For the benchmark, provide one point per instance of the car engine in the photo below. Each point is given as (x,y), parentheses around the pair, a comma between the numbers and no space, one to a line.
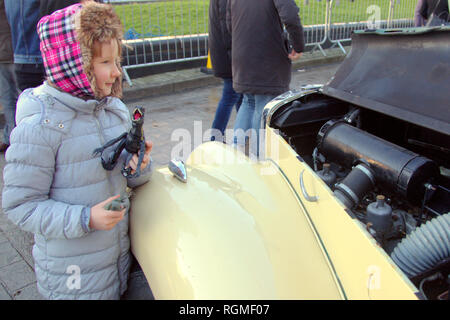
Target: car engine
(392,175)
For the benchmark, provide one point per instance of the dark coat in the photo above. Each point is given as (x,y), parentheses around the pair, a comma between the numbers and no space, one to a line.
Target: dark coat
(6,50)
(259,49)
(47,7)
(219,39)
(438,7)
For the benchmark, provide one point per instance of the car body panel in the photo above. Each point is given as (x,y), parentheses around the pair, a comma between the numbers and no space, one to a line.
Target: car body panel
(405,75)
(219,236)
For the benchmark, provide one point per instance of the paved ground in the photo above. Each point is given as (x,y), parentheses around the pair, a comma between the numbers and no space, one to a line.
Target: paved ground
(167,119)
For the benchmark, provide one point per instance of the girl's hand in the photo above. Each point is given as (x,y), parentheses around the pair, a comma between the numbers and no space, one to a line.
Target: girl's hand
(145,161)
(102,219)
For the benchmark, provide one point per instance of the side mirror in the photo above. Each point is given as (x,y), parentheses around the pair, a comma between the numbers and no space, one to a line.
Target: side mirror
(178,169)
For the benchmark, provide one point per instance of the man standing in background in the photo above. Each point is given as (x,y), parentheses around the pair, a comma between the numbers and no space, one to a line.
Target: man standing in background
(23,16)
(220,52)
(419,21)
(8,88)
(261,57)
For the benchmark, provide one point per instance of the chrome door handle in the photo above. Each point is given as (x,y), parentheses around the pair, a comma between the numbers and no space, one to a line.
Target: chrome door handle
(305,194)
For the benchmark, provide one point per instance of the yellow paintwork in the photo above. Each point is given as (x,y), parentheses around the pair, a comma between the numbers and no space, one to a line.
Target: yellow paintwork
(229,233)
(240,229)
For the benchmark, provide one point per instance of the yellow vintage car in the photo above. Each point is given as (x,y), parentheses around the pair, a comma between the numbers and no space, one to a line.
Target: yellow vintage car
(349,200)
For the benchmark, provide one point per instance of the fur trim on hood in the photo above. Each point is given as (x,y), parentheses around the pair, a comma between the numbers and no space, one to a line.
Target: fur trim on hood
(67,46)
(99,22)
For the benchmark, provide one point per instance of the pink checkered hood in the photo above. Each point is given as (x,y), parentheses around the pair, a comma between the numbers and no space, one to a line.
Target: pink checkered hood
(67,37)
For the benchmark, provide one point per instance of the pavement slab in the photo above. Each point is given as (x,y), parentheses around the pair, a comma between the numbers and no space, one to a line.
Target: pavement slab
(29,292)
(4,294)
(16,276)
(8,254)
(2,238)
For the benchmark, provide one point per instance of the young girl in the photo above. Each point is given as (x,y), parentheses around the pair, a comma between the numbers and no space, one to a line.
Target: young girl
(53,185)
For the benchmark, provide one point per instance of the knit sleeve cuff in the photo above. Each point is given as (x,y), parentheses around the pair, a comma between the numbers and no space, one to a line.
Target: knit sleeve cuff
(85,218)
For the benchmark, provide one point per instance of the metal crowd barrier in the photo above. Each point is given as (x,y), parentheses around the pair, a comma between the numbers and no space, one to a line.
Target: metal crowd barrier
(168,31)
(313,17)
(163,31)
(403,13)
(347,16)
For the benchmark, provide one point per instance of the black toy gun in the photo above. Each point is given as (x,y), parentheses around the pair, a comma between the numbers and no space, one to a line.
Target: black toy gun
(132,141)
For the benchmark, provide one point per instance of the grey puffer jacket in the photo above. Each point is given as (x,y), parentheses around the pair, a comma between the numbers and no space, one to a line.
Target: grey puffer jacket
(51,180)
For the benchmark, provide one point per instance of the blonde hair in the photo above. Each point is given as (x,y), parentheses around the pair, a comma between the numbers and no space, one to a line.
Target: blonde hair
(98,23)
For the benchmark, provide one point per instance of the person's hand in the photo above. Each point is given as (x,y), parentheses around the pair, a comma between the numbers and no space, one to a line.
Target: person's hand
(294,55)
(102,219)
(145,161)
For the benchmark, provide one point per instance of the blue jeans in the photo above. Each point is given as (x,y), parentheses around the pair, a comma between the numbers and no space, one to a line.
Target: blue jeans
(229,99)
(23,16)
(249,117)
(8,98)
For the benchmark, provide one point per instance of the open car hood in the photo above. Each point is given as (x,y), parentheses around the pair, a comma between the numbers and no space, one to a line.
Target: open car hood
(408,78)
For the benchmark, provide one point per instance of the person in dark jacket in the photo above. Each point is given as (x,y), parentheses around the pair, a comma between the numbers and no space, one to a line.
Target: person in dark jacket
(261,57)
(47,7)
(419,21)
(435,11)
(220,54)
(25,14)
(8,87)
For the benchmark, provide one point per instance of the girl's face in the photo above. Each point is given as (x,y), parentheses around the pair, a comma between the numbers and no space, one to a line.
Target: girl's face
(105,63)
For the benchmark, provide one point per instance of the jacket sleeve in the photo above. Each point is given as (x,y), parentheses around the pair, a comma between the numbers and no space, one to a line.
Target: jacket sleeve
(28,176)
(226,35)
(288,13)
(228,17)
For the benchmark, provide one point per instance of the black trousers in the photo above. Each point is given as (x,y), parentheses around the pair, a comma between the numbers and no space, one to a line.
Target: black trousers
(29,75)
(138,287)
